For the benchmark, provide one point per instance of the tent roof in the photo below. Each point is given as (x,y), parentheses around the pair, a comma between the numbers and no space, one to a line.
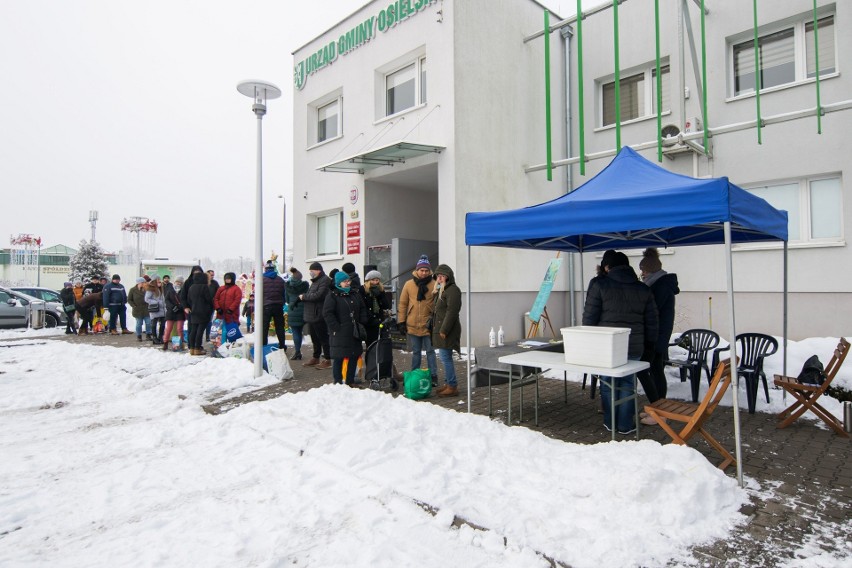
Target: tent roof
(632,203)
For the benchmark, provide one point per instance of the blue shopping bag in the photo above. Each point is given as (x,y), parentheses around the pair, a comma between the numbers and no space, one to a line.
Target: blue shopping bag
(232,331)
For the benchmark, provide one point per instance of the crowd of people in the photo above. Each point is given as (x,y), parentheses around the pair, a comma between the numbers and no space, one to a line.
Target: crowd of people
(344,316)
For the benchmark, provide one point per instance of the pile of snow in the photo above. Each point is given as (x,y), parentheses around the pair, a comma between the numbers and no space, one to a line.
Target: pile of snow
(109,459)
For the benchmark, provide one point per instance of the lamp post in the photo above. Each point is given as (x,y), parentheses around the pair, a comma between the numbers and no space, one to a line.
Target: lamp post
(283,233)
(259,91)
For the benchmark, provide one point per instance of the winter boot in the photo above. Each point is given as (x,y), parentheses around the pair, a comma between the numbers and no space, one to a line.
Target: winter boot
(166,346)
(324,364)
(138,338)
(312,363)
(125,331)
(113,332)
(449,391)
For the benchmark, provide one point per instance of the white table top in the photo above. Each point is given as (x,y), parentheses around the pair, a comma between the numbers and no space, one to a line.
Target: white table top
(556,361)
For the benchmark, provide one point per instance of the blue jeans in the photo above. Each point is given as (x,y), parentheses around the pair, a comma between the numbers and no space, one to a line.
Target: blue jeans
(418,345)
(446,356)
(296,331)
(625,412)
(147,321)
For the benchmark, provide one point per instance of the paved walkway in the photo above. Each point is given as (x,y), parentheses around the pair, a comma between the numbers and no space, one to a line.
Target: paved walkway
(799,478)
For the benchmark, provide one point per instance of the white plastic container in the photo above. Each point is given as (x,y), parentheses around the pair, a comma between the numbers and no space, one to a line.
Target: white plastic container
(492,338)
(596,346)
(501,338)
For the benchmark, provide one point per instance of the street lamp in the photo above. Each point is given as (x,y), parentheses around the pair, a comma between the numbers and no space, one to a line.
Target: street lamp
(283,233)
(259,91)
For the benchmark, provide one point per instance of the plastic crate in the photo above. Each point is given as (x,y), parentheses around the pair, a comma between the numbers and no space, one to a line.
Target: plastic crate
(596,346)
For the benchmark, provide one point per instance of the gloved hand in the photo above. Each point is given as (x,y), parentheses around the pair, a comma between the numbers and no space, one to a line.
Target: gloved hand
(403,329)
(219,314)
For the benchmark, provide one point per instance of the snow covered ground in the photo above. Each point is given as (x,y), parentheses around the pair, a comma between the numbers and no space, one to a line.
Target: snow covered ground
(109,460)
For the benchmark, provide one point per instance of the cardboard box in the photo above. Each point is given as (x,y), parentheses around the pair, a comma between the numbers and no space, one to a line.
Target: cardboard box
(596,346)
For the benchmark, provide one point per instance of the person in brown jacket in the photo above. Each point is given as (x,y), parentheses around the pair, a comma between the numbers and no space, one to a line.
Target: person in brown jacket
(416,305)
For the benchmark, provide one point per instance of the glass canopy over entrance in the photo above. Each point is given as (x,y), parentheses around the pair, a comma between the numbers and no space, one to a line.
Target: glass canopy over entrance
(396,153)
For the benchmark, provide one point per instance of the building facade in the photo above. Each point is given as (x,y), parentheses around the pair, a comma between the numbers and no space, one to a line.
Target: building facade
(410,114)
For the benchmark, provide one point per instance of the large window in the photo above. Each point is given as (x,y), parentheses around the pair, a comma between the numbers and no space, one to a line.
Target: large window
(638,94)
(406,87)
(328,121)
(814,207)
(330,234)
(787,55)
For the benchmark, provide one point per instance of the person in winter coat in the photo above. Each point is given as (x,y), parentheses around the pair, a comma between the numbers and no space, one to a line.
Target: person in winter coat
(664,287)
(446,326)
(248,312)
(115,299)
(175,314)
(214,287)
(295,287)
(139,309)
(156,301)
(68,306)
(78,293)
(341,310)
(227,301)
(377,302)
(200,307)
(86,308)
(621,300)
(274,298)
(314,300)
(416,304)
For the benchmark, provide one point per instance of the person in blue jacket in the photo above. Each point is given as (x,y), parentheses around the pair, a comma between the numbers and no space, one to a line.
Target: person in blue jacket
(115,300)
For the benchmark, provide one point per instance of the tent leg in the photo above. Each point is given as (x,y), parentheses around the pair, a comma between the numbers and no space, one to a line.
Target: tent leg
(469,390)
(784,370)
(735,383)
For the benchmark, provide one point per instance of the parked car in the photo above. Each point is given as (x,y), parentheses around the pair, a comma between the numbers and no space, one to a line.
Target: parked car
(14,309)
(46,294)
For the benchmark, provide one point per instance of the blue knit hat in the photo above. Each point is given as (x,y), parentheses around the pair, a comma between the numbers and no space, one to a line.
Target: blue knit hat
(340,277)
(423,263)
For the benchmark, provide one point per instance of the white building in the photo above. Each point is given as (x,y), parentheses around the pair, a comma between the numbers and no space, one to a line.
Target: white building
(387,163)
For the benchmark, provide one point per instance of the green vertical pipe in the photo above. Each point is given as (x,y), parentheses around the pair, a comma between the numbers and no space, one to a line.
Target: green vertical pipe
(580,111)
(704,77)
(757,71)
(547,94)
(816,63)
(617,77)
(659,84)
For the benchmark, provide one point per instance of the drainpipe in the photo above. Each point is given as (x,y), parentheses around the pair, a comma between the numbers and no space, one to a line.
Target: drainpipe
(567,33)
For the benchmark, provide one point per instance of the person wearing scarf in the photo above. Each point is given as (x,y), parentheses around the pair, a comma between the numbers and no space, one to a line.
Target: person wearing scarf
(341,311)
(416,305)
(377,302)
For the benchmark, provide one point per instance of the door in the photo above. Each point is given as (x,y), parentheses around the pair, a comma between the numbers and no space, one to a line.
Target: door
(13,313)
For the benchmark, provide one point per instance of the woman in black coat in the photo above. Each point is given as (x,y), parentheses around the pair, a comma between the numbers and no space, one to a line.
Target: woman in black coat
(341,310)
(174,312)
(199,306)
(376,302)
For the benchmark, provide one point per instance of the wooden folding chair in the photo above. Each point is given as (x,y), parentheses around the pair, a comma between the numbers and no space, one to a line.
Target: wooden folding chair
(807,395)
(694,415)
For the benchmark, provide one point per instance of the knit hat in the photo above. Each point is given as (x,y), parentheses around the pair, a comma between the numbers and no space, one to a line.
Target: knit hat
(348,268)
(154,277)
(295,272)
(67,285)
(146,278)
(340,277)
(423,263)
(619,259)
(116,277)
(650,262)
(373,274)
(180,280)
(139,280)
(78,283)
(315,266)
(269,265)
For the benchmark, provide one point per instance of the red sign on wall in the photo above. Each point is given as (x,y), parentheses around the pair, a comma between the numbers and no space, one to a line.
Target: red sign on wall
(353,229)
(353,245)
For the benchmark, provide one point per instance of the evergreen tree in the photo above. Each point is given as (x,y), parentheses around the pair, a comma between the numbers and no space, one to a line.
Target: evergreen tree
(89,261)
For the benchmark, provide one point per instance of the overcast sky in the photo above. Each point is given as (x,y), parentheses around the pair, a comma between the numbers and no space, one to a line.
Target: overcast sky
(131,109)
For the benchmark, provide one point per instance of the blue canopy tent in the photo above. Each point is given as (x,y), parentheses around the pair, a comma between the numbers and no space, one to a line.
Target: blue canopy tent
(634,203)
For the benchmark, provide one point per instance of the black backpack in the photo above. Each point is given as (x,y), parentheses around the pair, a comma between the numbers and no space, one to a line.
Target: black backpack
(812,372)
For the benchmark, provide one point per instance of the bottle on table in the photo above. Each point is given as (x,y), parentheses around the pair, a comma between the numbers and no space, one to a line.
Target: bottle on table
(500,336)
(492,338)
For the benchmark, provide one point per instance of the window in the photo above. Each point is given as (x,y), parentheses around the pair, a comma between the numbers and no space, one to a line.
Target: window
(787,55)
(328,121)
(330,234)
(813,205)
(638,93)
(406,87)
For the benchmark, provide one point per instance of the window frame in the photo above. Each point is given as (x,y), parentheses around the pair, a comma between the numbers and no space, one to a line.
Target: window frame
(313,111)
(804,204)
(800,51)
(649,94)
(314,234)
(338,122)
(420,85)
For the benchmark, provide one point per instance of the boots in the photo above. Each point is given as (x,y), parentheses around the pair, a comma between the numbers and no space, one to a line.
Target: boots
(296,356)
(166,345)
(138,338)
(312,363)
(448,391)
(324,364)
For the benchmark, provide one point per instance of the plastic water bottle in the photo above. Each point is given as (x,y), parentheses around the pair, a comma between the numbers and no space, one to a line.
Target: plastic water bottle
(492,338)
(500,337)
